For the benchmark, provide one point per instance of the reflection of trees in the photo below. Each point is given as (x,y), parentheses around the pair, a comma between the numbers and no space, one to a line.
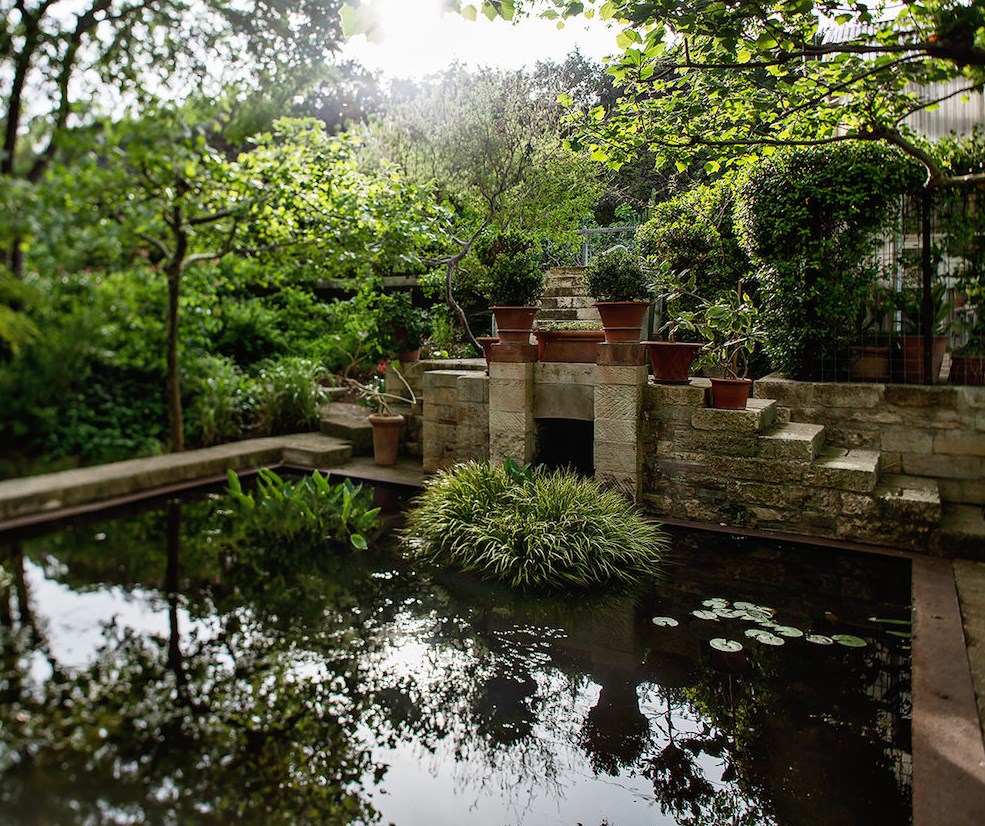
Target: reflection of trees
(237,721)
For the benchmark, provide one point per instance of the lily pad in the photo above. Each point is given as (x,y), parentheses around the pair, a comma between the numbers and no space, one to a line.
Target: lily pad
(751,606)
(765,637)
(787,631)
(665,622)
(757,616)
(728,613)
(849,641)
(705,615)
(819,639)
(721,644)
(715,602)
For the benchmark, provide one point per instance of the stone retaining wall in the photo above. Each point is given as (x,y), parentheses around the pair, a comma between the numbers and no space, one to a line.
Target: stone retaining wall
(931,432)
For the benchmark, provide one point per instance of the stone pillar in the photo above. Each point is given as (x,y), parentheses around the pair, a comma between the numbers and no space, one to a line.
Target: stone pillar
(618,402)
(512,433)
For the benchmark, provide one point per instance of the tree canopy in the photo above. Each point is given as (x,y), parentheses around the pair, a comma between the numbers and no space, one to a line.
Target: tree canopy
(720,80)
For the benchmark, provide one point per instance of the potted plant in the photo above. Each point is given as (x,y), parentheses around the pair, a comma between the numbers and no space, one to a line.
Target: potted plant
(968,361)
(730,324)
(573,342)
(512,282)
(615,279)
(408,325)
(909,366)
(386,424)
(671,359)
(869,359)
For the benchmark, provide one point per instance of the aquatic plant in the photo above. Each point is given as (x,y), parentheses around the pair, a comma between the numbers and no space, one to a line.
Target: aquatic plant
(297,516)
(531,527)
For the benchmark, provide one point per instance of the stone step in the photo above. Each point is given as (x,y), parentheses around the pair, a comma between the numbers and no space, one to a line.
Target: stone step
(315,450)
(793,440)
(567,291)
(758,417)
(568,314)
(845,469)
(962,532)
(564,303)
(913,499)
(349,422)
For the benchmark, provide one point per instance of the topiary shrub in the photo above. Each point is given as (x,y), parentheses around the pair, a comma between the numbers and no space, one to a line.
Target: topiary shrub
(512,275)
(533,529)
(616,275)
(810,219)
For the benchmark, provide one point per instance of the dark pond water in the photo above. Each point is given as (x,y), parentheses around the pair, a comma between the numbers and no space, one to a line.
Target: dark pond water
(145,680)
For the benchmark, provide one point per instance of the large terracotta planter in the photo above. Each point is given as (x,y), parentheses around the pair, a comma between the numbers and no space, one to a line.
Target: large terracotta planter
(730,394)
(386,437)
(672,360)
(569,346)
(868,363)
(514,324)
(909,368)
(404,352)
(622,320)
(968,370)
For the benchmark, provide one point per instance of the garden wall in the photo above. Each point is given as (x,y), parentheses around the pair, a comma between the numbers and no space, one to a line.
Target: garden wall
(887,465)
(922,431)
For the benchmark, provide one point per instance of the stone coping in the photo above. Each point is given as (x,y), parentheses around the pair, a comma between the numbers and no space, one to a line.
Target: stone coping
(53,492)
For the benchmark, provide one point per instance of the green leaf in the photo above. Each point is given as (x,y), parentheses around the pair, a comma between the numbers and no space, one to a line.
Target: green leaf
(358,541)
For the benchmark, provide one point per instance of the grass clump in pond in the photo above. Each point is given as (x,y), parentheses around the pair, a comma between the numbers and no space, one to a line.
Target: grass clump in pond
(531,528)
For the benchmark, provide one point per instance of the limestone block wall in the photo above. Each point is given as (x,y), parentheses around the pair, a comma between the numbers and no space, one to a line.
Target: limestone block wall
(931,432)
(750,468)
(455,425)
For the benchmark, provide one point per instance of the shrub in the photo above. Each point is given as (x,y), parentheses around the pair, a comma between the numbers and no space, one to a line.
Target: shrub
(539,529)
(694,232)
(250,332)
(616,275)
(215,392)
(810,219)
(512,277)
(284,396)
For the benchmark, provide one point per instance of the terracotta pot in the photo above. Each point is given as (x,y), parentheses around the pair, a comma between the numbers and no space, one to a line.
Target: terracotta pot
(569,346)
(968,370)
(909,368)
(622,320)
(405,356)
(730,394)
(672,360)
(485,342)
(386,437)
(513,324)
(868,363)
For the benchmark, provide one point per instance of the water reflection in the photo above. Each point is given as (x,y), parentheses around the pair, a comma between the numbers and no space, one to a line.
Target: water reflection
(355,689)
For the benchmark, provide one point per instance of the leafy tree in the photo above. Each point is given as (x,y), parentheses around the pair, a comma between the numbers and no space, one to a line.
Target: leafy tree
(182,202)
(490,145)
(728,79)
(56,58)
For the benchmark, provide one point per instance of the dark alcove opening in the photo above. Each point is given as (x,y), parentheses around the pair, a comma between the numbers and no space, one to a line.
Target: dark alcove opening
(566,443)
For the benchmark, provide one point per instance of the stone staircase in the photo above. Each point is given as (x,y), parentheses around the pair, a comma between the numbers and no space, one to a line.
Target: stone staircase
(564,298)
(779,475)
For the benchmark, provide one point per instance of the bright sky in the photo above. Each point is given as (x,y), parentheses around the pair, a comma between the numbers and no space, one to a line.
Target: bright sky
(415,38)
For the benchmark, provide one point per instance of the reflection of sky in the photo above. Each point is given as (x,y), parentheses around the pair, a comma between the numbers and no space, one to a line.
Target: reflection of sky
(74,622)
(545,779)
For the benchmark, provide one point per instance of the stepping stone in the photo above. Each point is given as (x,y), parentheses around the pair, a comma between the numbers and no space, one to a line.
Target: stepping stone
(793,440)
(850,470)
(351,423)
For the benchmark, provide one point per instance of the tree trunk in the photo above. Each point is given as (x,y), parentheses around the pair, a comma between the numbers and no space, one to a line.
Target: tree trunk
(174,269)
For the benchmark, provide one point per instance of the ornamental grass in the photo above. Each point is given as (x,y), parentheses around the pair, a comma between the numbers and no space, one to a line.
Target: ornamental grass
(543,529)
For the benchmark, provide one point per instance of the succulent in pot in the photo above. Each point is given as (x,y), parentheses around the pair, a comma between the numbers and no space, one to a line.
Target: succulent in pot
(617,282)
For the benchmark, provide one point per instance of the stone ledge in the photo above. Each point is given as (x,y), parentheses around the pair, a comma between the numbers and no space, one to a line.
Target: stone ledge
(793,440)
(852,470)
(53,491)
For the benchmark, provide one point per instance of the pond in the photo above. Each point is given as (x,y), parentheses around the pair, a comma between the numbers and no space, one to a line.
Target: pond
(147,679)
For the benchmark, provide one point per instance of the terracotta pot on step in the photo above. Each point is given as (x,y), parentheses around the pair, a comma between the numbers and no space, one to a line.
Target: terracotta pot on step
(730,394)
(386,437)
(485,342)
